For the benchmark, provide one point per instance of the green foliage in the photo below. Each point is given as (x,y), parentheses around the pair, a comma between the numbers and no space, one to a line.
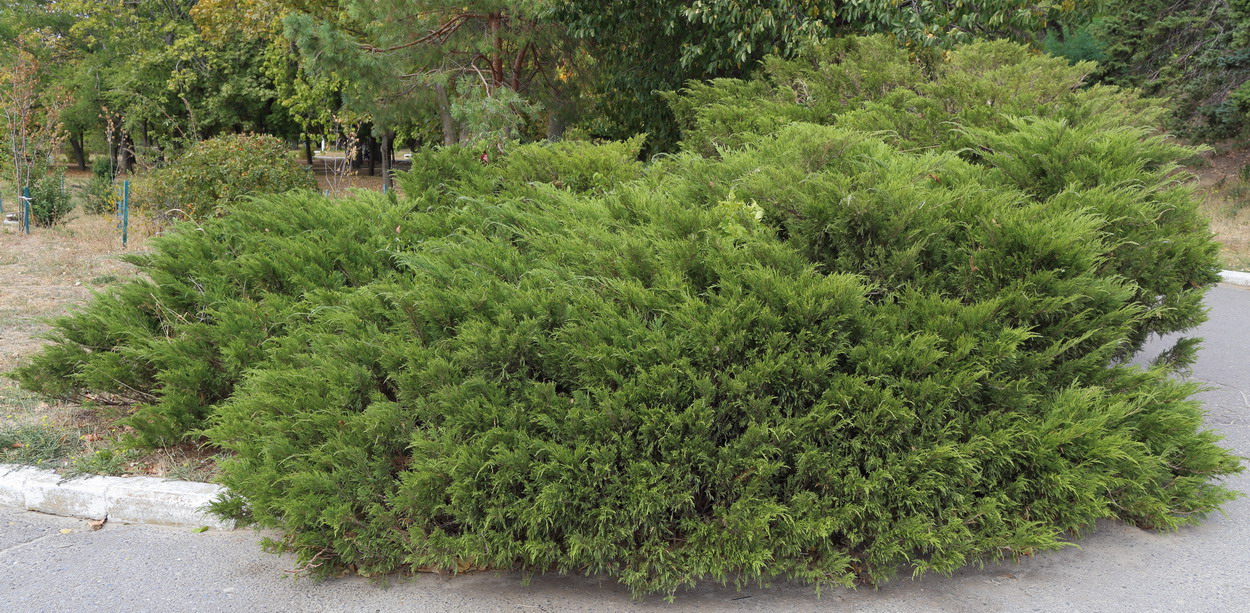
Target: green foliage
(1196,53)
(1083,149)
(646,47)
(50,202)
(102,168)
(819,352)
(1077,44)
(219,172)
(484,68)
(490,116)
(871,84)
(144,71)
(100,195)
(573,165)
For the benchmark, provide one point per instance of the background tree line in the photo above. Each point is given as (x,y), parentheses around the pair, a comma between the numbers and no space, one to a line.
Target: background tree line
(142,79)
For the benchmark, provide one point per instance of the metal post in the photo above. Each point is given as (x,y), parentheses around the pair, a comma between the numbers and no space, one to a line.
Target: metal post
(125,210)
(26,208)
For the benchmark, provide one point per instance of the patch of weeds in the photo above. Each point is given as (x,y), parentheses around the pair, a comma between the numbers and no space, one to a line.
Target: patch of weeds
(36,444)
(185,461)
(29,432)
(1197,160)
(1237,197)
(16,404)
(192,470)
(106,462)
(105,280)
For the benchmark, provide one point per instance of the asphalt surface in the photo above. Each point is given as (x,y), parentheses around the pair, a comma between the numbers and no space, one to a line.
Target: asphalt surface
(58,564)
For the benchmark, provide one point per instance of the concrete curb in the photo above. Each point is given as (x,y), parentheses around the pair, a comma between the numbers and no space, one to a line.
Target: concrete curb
(137,500)
(1233,277)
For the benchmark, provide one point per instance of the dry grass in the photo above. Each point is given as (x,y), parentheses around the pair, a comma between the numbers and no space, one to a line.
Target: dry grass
(50,270)
(45,274)
(48,273)
(1224,185)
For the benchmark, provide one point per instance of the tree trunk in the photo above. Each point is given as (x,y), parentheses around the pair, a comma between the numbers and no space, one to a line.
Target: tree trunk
(555,127)
(76,141)
(112,157)
(494,22)
(444,113)
(358,156)
(559,116)
(308,156)
(128,153)
(125,160)
(387,137)
(372,143)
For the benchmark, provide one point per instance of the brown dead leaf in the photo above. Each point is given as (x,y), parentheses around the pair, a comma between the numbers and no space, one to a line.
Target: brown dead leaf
(468,566)
(97,523)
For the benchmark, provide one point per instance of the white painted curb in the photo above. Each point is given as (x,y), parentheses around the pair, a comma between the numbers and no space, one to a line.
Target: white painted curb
(1233,277)
(139,500)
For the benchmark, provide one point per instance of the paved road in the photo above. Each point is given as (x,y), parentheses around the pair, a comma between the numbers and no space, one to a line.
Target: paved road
(1116,568)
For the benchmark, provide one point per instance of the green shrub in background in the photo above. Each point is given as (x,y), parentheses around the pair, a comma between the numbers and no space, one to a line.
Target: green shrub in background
(869,84)
(820,353)
(100,195)
(218,172)
(1076,44)
(50,202)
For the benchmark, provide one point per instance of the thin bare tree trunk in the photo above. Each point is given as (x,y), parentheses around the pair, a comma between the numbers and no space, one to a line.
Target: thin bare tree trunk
(372,144)
(444,113)
(386,159)
(494,22)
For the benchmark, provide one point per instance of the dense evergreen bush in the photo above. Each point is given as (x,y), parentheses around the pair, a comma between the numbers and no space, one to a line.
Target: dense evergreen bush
(50,202)
(1024,117)
(818,352)
(218,172)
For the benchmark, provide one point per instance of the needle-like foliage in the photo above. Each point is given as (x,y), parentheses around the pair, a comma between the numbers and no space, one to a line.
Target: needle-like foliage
(821,354)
